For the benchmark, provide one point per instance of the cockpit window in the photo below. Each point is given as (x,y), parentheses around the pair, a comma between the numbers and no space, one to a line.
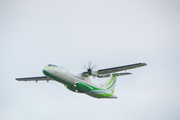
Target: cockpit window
(52,65)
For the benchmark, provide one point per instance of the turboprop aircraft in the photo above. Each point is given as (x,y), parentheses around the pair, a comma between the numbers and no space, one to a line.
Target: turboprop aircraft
(81,83)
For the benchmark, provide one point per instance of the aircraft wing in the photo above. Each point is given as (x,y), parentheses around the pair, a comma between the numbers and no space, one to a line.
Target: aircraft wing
(120,68)
(41,78)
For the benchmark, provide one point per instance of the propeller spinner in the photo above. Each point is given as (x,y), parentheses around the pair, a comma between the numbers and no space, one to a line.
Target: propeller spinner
(90,67)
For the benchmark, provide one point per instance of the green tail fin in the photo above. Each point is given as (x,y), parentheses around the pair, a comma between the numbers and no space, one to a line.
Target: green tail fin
(110,84)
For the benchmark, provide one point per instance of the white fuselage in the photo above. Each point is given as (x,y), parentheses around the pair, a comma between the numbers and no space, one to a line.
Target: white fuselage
(68,76)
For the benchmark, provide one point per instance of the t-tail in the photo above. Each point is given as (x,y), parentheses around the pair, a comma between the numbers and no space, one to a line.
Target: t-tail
(110,85)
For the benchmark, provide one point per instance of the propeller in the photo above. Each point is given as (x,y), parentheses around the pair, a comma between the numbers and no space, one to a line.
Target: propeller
(90,66)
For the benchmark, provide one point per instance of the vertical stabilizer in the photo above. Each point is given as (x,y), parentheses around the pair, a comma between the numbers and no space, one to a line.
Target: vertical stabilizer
(110,84)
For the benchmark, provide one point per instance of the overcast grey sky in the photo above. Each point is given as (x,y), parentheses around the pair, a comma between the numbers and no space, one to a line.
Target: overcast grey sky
(112,33)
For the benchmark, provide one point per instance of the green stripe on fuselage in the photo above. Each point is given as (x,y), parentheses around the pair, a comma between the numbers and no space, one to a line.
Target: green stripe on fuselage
(56,78)
(48,67)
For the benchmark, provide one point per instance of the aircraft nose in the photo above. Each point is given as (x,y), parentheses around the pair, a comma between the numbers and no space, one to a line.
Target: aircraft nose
(46,70)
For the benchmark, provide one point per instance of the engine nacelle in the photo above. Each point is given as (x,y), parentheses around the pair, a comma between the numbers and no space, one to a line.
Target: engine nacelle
(94,72)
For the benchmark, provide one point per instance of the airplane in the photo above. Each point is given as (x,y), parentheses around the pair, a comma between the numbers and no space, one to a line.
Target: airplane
(80,83)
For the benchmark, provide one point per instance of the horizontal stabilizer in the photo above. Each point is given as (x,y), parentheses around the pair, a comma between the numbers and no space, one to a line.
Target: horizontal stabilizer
(103,76)
(125,73)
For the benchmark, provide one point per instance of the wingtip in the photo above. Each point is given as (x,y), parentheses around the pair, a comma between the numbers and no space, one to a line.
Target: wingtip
(18,79)
(143,63)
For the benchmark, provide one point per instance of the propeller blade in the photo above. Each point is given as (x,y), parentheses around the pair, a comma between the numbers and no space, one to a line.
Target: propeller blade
(94,66)
(89,66)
